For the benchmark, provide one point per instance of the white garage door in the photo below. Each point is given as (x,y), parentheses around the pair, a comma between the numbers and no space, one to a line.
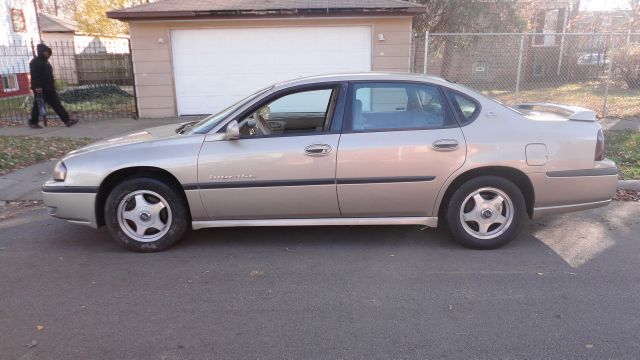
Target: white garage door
(213,68)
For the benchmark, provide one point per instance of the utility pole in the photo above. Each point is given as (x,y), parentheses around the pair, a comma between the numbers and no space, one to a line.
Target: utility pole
(35,7)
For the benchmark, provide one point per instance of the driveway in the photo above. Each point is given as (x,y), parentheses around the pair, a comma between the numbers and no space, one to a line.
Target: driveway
(567,288)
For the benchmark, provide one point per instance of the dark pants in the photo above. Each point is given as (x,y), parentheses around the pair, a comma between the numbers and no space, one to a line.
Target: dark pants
(51,98)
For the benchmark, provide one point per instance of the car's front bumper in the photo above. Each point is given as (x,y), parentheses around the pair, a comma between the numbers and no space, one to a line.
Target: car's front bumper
(72,203)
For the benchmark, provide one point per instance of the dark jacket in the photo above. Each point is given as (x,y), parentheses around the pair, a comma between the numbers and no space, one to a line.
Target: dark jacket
(41,70)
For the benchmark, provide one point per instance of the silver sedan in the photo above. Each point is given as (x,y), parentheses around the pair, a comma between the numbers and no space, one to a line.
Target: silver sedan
(363,149)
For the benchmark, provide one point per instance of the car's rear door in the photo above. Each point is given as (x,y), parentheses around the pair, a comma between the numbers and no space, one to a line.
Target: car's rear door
(400,142)
(283,165)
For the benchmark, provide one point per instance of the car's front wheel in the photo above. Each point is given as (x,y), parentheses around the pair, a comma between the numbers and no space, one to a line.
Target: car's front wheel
(486,212)
(145,214)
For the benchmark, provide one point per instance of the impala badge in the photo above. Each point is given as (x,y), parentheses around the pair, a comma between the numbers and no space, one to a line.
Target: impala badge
(229,177)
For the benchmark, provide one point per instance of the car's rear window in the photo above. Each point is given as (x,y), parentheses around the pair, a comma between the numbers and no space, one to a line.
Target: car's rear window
(389,106)
(466,108)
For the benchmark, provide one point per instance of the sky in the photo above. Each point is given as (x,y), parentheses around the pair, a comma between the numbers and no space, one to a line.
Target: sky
(600,5)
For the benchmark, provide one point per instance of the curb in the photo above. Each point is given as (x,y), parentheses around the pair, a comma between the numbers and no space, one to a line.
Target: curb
(629,184)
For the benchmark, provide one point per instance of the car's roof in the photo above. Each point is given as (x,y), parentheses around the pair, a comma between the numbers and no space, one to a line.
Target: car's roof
(364,76)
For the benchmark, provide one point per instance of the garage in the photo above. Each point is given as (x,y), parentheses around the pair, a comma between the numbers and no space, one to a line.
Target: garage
(195,57)
(214,68)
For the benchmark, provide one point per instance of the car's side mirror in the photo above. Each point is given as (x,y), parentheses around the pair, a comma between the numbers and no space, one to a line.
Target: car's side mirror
(232,131)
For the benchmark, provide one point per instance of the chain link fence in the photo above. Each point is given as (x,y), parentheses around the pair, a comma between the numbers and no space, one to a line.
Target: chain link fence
(594,70)
(94,79)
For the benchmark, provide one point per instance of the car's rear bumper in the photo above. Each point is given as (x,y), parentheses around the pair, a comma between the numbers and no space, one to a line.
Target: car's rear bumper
(74,204)
(573,190)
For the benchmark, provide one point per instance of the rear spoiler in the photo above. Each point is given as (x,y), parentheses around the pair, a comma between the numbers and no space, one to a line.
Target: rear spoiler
(577,113)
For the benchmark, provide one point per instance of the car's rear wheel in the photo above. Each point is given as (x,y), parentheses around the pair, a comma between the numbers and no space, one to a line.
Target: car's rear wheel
(145,215)
(486,212)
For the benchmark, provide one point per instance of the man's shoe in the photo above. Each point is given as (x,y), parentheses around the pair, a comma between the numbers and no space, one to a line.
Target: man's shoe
(71,122)
(35,126)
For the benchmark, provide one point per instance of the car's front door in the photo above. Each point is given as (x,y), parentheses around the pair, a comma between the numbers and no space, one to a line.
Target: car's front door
(399,145)
(282,166)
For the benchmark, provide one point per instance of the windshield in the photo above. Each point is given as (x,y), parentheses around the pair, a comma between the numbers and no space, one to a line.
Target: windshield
(208,123)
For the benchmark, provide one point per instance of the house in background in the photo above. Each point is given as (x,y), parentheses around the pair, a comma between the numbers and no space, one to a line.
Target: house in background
(490,60)
(18,28)
(198,56)
(543,53)
(56,29)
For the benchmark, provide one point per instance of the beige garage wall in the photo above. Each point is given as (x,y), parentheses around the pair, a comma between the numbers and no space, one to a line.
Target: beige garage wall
(151,45)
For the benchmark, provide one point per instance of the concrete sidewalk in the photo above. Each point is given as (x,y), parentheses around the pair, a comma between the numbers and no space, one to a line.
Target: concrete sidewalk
(620,124)
(93,129)
(25,184)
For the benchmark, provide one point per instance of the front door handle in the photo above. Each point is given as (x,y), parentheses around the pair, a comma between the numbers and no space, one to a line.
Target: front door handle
(317,149)
(445,145)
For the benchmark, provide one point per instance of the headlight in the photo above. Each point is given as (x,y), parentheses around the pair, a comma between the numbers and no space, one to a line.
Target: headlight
(59,172)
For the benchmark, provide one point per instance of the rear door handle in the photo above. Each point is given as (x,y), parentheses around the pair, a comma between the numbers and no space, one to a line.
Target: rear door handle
(317,149)
(445,145)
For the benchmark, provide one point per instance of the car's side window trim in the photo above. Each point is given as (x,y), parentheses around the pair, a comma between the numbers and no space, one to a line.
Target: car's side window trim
(337,96)
(337,118)
(453,104)
(347,121)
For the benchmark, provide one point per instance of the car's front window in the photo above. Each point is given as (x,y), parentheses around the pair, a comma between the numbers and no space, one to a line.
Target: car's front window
(205,125)
(302,112)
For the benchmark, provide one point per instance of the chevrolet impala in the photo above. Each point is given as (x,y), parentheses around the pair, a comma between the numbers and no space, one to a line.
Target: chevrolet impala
(351,149)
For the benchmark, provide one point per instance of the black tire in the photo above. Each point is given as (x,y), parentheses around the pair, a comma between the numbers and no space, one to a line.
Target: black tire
(173,218)
(471,235)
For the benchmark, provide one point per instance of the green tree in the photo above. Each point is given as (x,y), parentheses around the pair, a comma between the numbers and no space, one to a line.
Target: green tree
(92,18)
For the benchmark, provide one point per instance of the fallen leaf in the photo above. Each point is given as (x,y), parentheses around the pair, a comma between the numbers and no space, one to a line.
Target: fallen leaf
(626,195)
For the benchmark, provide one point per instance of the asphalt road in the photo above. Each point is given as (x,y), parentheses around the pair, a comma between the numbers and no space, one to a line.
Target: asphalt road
(567,288)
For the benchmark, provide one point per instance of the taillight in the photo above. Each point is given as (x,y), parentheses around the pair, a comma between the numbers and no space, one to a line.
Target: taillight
(600,146)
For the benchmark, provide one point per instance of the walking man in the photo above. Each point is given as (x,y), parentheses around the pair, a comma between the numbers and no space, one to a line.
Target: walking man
(43,84)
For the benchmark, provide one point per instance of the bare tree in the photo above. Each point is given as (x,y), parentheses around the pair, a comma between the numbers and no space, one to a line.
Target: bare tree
(470,16)
(63,8)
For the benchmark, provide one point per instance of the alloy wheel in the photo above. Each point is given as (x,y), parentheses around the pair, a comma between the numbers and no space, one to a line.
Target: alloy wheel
(486,213)
(144,215)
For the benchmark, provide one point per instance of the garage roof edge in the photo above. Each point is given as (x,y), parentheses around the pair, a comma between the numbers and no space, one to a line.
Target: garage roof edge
(141,13)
